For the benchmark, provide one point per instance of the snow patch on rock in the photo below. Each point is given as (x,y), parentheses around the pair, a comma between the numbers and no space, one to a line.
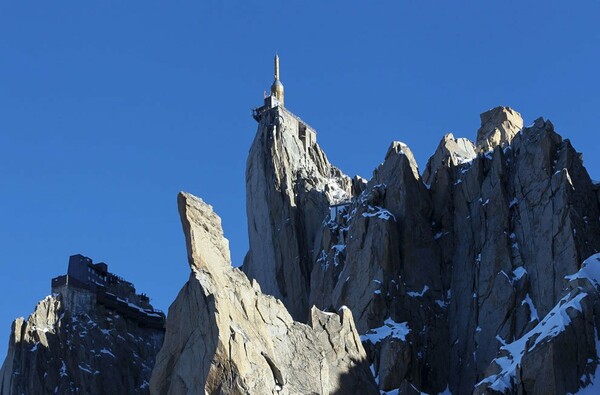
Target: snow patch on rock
(390,328)
(555,322)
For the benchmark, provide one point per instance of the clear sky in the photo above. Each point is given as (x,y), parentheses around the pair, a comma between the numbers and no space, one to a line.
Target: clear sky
(109,108)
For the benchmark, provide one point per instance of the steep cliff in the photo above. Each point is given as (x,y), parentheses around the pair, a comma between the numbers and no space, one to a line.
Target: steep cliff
(290,185)
(441,270)
(482,275)
(61,351)
(521,218)
(225,336)
(380,258)
(561,353)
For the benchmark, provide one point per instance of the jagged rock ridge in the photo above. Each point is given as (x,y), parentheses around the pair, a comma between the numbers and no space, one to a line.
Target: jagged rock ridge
(466,279)
(291,185)
(521,221)
(225,336)
(466,258)
(92,351)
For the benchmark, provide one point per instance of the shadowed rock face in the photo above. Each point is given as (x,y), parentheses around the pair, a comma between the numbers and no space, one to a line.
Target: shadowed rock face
(225,336)
(520,224)
(560,353)
(380,259)
(468,257)
(98,352)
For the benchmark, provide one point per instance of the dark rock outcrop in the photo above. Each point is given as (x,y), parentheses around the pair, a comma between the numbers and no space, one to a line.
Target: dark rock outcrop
(561,353)
(520,225)
(95,352)
(380,258)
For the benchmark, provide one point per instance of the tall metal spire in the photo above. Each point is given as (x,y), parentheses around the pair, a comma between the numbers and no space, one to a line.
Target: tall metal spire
(277,87)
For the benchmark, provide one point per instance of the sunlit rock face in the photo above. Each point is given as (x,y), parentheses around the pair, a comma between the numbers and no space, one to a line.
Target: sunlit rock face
(467,278)
(225,336)
(290,185)
(498,127)
(441,270)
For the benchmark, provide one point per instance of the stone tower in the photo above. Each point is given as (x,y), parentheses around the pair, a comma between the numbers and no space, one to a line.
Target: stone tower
(277,87)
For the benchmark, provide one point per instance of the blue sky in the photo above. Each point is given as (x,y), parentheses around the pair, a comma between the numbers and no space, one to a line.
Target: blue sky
(108,109)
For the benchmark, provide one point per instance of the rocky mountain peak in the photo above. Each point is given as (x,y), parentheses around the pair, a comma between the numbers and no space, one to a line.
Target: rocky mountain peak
(466,258)
(472,278)
(498,127)
(92,335)
(451,152)
(398,148)
(225,336)
(290,186)
(206,242)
